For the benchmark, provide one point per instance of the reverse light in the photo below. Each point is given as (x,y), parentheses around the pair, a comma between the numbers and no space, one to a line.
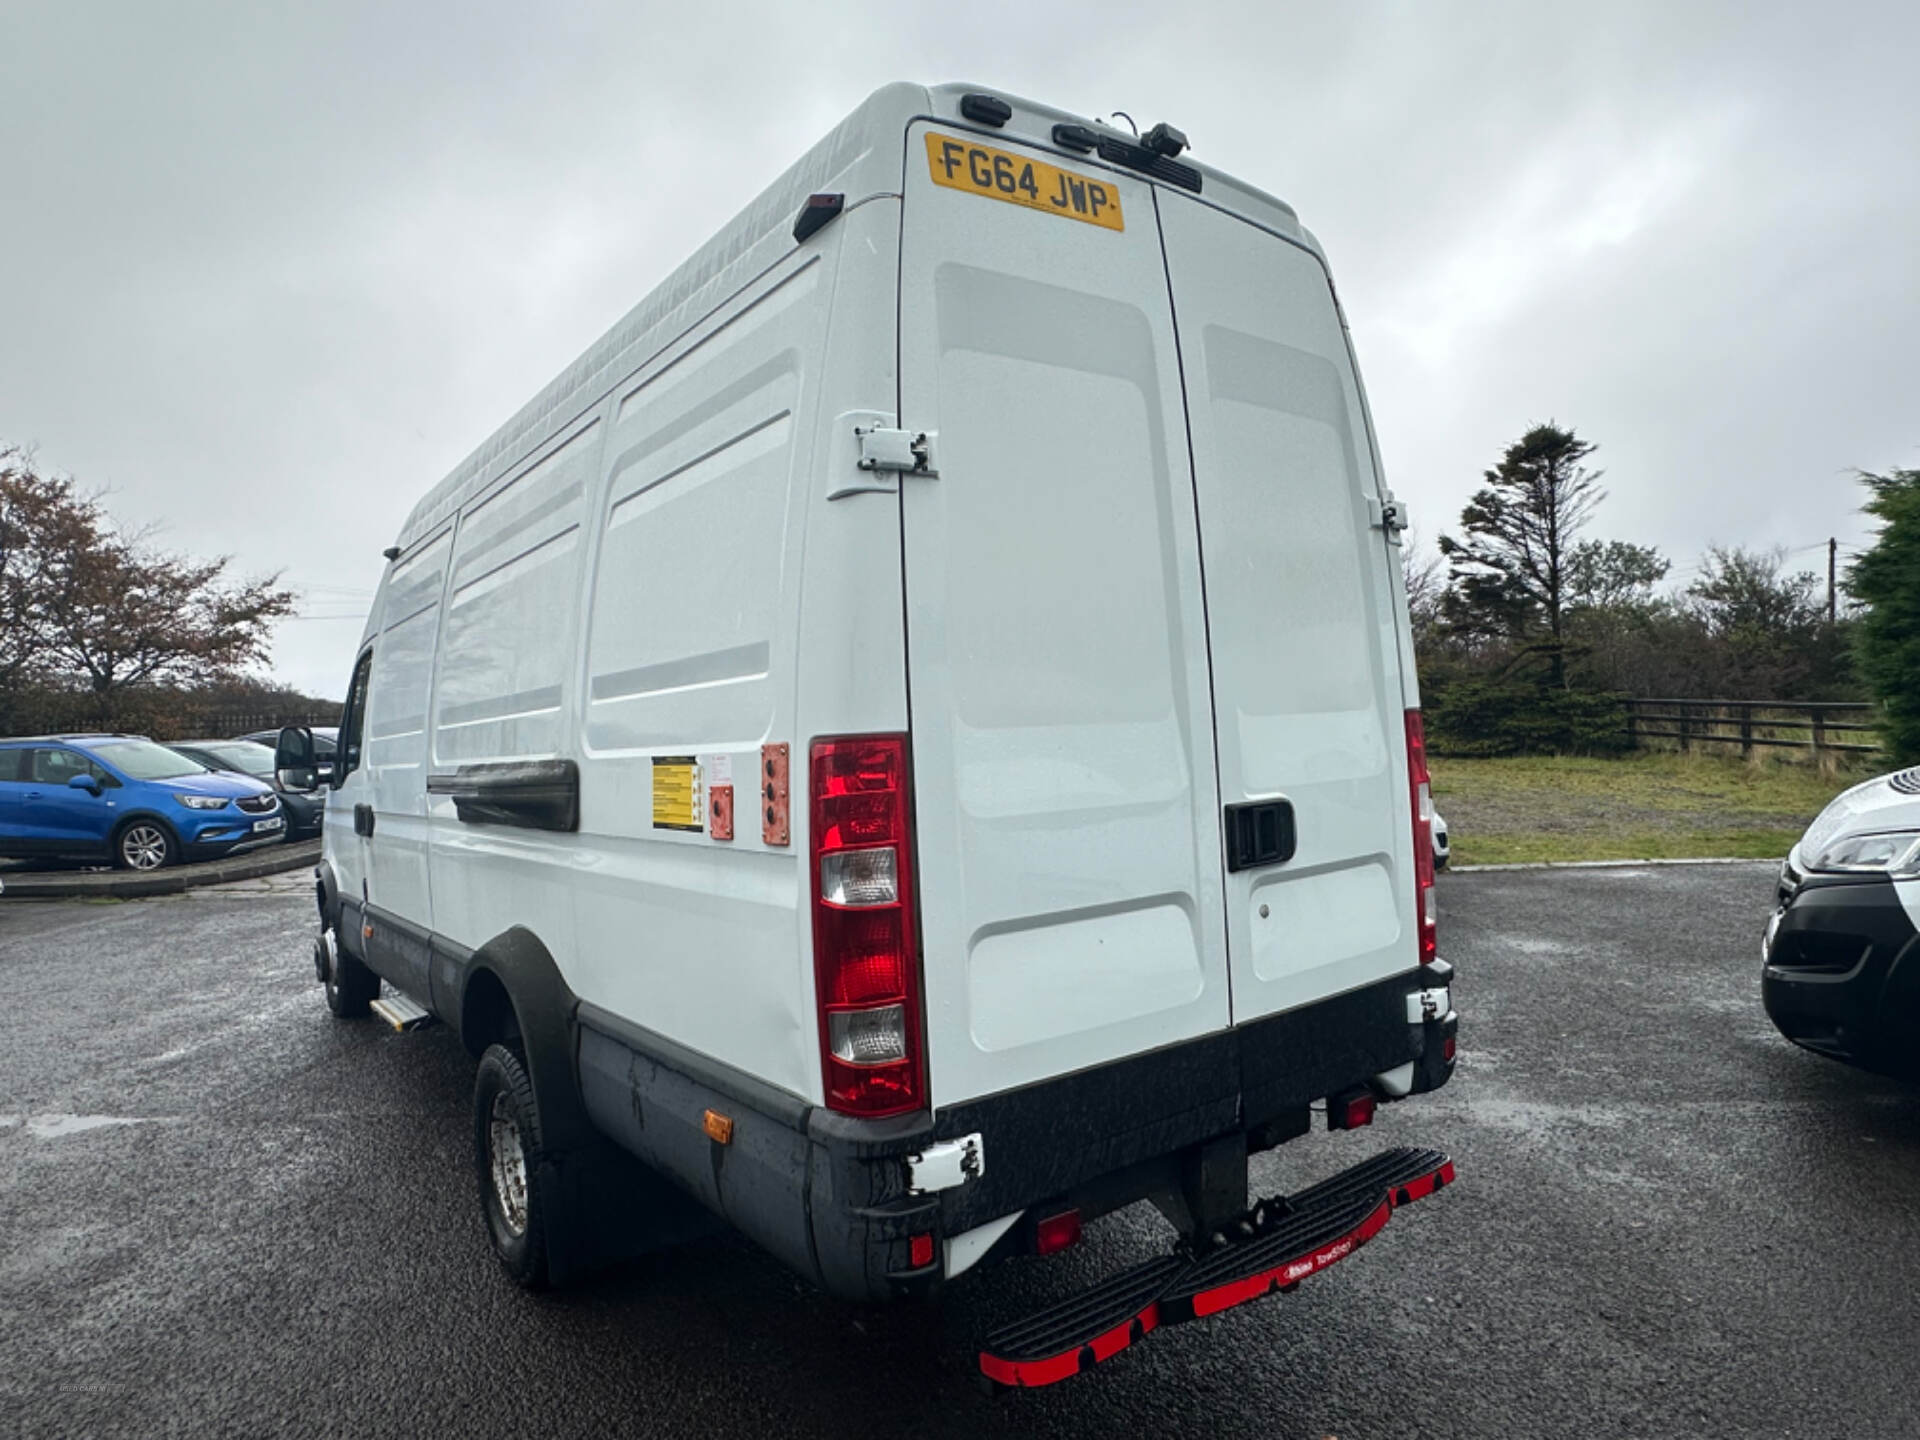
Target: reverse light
(1426,907)
(866,967)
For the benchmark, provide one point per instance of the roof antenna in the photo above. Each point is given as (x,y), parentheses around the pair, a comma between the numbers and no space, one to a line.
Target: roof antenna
(1130,125)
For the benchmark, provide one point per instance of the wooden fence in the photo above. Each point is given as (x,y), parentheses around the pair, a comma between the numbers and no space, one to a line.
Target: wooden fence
(1806,726)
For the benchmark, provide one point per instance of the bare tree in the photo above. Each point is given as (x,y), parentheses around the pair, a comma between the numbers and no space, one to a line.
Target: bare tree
(1426,581)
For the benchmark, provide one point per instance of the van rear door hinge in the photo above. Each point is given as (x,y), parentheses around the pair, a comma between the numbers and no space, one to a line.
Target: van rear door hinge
(1388,513)
(905,452)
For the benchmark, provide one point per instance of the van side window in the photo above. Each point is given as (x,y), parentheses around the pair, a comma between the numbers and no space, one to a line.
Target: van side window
(354,722)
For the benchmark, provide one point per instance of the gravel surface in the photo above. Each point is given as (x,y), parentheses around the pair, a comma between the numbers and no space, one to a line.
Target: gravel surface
(224,1214)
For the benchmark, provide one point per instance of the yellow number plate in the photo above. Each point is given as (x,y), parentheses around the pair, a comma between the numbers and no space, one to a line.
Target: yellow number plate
(1002,175)
(676,793)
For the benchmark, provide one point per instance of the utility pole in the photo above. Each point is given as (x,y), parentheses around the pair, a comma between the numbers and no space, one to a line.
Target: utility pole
(1833,556)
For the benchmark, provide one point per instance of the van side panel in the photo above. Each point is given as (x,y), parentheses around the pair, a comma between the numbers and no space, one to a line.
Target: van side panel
(505,683)
(688,657)
(510,614)
(395,738)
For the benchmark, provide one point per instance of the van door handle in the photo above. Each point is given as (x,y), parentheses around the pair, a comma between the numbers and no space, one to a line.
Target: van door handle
(1260,833)
(363,820)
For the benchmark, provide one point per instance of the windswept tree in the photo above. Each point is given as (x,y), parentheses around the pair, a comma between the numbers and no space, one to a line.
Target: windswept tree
(1886,581)
(1510,566)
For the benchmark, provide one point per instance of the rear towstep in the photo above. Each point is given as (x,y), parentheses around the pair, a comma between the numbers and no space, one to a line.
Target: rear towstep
(1291,1237)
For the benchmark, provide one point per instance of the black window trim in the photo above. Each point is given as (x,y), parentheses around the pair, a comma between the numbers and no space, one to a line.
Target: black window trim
(349,749)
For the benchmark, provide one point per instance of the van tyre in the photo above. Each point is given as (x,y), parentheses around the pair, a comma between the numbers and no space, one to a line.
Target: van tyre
(351,986)
(508,1155)
(142,845)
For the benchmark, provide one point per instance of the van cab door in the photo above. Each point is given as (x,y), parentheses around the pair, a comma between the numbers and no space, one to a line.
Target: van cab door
(349,807)
(1301,614)
(1070,875)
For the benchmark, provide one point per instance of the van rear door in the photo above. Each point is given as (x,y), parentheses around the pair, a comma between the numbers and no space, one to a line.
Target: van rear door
(1301,612)
(1070,874)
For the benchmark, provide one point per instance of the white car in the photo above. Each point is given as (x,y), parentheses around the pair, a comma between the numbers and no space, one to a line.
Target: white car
(803,751)
(1838,973)
(1442,847)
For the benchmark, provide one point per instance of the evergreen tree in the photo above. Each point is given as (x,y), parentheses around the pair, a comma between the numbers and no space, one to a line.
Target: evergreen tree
(1886,580)
(1511,570)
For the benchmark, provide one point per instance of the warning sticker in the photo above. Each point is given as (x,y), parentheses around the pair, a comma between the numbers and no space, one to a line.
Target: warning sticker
(676,793)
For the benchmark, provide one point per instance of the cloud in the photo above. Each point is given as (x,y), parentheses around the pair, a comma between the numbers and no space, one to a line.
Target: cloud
(270,272)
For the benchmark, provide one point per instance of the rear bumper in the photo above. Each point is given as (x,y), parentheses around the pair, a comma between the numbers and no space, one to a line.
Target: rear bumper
(830,1195)
(1842,972)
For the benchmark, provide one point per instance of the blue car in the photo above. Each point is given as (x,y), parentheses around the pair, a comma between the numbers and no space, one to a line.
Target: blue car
(124,799)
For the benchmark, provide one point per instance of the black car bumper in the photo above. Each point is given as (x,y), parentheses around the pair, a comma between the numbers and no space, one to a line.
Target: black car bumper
(305,813)
(830,1195)
(1842,971)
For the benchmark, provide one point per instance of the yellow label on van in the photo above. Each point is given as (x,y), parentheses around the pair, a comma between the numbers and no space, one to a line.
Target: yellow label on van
(1018,180)
(676,793)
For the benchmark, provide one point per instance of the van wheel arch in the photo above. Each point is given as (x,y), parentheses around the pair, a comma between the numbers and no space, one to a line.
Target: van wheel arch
(326,894)
(513,994)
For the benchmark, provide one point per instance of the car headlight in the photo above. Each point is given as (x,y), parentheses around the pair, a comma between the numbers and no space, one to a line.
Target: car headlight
(202,802)
(1891,852)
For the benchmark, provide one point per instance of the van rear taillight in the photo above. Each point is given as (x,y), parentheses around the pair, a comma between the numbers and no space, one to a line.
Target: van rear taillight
(1425,909)
(866,971)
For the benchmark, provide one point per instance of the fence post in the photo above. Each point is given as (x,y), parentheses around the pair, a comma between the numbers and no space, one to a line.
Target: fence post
(1686,727)
(1746,732)
(1633,724)
(1819,734)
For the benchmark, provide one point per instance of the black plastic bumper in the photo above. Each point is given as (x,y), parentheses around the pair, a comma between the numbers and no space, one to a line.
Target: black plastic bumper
(1842,973)
(829,1194)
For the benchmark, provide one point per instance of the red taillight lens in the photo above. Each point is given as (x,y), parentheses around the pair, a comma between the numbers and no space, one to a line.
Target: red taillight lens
(1057,1233)
(866,970)
(1426,911)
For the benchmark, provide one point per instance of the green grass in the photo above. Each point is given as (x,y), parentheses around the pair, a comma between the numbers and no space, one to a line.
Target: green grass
(1653,805)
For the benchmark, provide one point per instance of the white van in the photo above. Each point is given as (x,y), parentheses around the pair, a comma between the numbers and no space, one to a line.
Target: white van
(914,738)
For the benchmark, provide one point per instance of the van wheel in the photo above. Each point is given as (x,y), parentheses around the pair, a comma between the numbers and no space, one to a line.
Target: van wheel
(351,986)
(144,845)
(507,1154)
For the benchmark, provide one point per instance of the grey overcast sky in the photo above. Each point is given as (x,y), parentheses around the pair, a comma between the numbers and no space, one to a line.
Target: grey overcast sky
(269,271)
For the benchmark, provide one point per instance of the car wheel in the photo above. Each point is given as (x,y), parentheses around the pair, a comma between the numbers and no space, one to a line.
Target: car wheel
(507,1154)
(144,845)
(351,986)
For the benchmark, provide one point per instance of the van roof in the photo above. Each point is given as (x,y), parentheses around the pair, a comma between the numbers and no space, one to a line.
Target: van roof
(859,158)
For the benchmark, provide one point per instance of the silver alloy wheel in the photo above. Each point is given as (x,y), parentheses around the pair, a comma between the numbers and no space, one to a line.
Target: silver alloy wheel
(144,847)
(508,1163)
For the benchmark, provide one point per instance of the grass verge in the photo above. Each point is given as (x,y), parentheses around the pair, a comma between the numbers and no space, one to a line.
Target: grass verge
(1648,806)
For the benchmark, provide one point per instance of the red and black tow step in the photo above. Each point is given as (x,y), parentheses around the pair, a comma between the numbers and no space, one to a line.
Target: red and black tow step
(1290,1238)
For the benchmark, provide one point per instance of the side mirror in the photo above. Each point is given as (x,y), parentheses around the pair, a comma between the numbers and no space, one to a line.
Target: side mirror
(293,763)
(84,781)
